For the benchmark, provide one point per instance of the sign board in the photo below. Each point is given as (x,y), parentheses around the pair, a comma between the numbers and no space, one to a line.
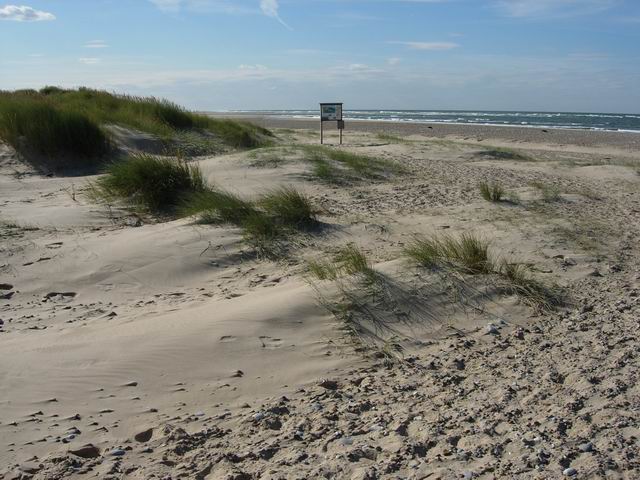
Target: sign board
(330,112)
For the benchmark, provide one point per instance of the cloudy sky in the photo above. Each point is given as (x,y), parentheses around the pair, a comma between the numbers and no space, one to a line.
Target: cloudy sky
(551,55)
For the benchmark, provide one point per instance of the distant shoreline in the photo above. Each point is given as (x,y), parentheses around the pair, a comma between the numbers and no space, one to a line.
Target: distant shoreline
(629,141)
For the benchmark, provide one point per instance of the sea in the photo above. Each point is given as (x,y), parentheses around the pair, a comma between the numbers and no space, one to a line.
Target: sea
(617,122)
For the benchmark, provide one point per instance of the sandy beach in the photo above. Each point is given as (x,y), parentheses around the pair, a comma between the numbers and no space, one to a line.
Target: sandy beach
(570,138)
(136,346)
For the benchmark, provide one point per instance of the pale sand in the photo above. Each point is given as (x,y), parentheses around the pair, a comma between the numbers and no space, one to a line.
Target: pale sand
(213,338)
(624,141)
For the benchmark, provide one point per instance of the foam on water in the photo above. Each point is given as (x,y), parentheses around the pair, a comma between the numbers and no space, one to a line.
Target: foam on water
(563,120)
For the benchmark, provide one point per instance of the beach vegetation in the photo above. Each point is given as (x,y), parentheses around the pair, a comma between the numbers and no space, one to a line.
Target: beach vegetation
(467,253)
(390,138)
(502,153)
(41,130)
(57,122)
(516,279)
(335,165)
(290,206)
(550,192)
(349,260)
(151,183)
(491,192)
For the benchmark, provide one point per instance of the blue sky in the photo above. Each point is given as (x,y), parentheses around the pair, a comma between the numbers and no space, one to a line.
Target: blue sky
(552,55)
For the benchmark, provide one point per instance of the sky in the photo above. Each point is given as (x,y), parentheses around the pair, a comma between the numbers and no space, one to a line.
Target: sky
(535,55)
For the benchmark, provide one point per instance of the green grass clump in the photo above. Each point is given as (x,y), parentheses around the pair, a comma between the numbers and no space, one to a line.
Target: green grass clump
(155,184)
(389,138)
(468,253)
(348,260)
(56,121)
(290,206)
(517,280)
(334,165)
(34,126)
(265,223)
(550,193)
(502,153)
(491,192)
(235,133)
(218,206)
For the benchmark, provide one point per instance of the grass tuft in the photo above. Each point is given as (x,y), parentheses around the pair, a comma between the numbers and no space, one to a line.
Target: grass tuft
(491,192)
(265,223)
(517,280)
(348,260)
(158,185)
(468,253)
(333,165)
(217,206)
(57,122)
(502,153)
(550,193)
(290,206)
(34,126)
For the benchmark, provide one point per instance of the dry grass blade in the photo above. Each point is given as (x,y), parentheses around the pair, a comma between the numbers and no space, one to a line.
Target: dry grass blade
(491,192)
(290,206)
(468,253)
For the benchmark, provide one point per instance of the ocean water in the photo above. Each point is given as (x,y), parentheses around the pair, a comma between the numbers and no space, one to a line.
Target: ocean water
(584,121)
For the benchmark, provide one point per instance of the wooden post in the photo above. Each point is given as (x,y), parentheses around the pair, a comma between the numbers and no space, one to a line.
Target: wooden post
(340,136)
(321,132)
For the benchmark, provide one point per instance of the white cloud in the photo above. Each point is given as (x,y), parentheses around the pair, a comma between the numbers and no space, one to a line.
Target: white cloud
(393,61)
(428,45)
(89,60)
(96,44)
(271,9)
(545,8)
(24,14)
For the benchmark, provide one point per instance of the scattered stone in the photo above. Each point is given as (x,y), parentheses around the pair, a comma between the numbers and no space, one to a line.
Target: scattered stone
(328,384)
(492,329)
(6,286)
(86,451)
(569,472)
(586,447)
(30,468)
(117,452)
(144,436)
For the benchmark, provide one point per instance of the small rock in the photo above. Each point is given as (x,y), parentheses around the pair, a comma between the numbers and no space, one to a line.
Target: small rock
(131,384)
(586,447)
(491,329)
(6,286)
(117,452)
(86,451)
(29,468)
(328,384)
(144,436)
(569,472)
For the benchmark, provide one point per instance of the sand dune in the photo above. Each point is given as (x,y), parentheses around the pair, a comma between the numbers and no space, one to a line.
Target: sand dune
(116,325)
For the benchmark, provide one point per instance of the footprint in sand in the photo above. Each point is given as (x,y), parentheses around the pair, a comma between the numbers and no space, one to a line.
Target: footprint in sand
(270,343)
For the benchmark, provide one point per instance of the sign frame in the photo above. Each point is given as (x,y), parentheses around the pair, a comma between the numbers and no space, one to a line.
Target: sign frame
(331,112)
